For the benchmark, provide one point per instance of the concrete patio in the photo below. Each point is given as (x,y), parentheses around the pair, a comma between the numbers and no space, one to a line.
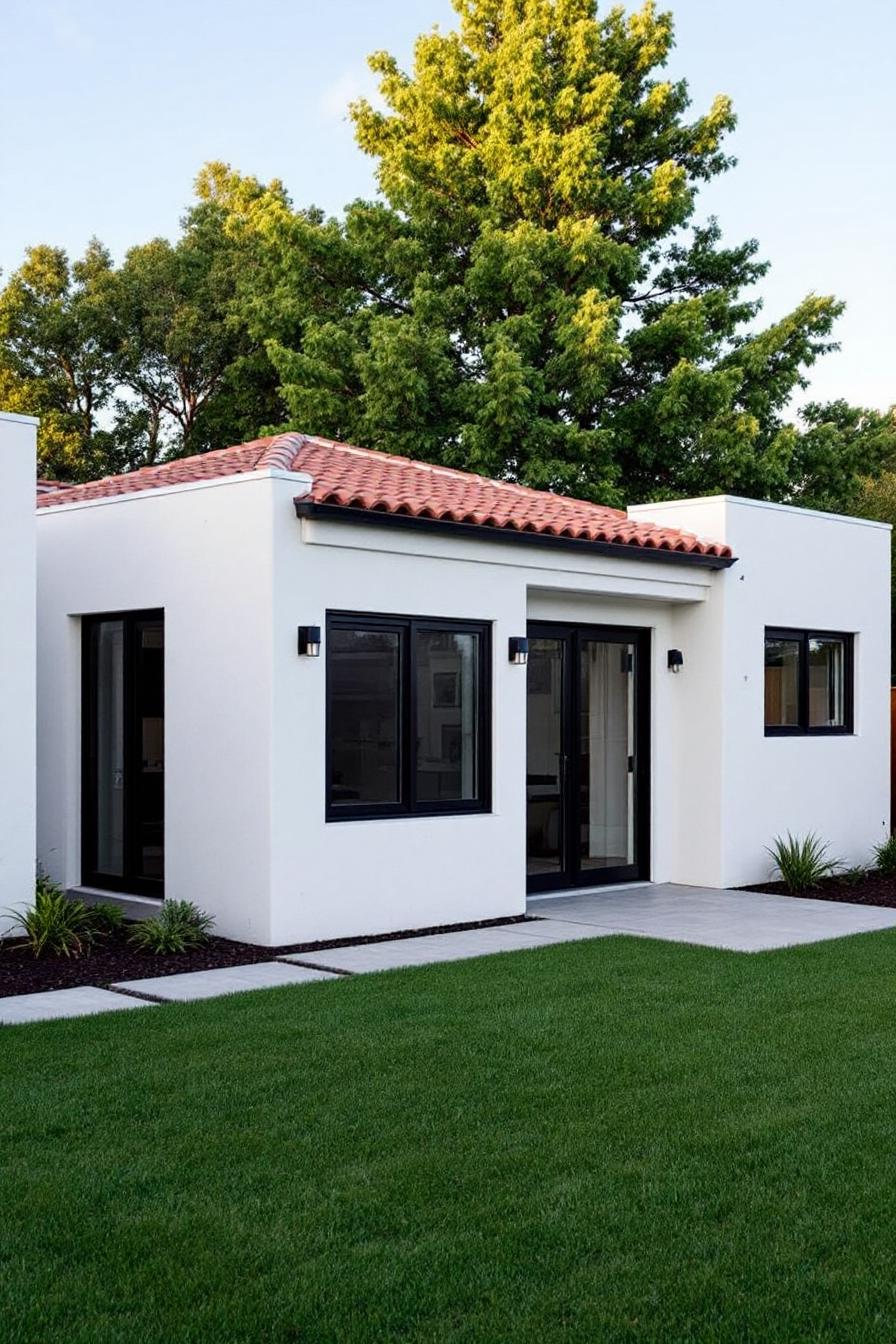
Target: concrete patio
(735,921)
(739,921)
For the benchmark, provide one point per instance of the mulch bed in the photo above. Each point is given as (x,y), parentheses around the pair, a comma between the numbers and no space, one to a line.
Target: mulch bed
(114,959)
(873,889)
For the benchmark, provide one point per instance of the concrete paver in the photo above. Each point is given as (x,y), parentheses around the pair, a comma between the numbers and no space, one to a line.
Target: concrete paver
(190,986)
(50,1003)
(435,947)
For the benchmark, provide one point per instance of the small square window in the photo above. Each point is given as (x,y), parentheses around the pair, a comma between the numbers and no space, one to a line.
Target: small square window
(808,682)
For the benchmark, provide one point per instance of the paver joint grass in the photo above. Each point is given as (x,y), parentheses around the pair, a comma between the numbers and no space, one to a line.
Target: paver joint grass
(610,1140)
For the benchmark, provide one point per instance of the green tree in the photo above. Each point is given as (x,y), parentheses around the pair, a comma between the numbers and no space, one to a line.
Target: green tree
(153,358)
(875,497)
(55,359)
(839,457)
(179,313)
(532,297)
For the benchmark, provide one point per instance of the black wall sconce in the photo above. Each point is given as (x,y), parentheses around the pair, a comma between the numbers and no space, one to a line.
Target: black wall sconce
(309,640)
(518,650)
(675,660)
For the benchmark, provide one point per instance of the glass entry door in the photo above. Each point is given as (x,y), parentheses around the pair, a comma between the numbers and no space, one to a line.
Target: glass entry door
(587,755)
(123,785)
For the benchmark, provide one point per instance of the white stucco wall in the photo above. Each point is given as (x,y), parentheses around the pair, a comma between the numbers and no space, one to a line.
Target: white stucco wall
(17,661)
(338,878)
(739,789)
(203,554)
(236,573)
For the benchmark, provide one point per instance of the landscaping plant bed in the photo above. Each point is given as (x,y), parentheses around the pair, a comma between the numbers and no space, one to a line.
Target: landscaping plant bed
(115,959)
(872,889)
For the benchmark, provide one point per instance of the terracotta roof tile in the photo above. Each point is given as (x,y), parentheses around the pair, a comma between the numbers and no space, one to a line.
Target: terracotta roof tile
(360,478)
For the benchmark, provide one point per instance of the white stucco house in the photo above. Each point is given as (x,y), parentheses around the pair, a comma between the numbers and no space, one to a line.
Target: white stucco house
(326,692)
(17,663)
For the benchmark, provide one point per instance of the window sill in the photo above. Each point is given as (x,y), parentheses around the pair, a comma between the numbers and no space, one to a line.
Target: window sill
(421,814)
(810,732)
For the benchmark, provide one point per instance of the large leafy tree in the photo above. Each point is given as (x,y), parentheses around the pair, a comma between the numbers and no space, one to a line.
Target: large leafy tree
(196,377)
(56,361)
(153,358)
(533,295)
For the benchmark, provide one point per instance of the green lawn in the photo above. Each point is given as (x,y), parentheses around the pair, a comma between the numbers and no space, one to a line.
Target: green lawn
(598,1141)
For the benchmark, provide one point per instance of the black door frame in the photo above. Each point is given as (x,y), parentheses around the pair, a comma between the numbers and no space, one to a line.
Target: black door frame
(571,873)
(126,882)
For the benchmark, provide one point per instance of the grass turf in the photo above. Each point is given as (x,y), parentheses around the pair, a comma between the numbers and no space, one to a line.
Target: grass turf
(607,1140)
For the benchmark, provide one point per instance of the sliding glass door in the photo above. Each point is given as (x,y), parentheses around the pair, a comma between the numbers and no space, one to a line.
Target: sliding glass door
(587,755)
(123,777)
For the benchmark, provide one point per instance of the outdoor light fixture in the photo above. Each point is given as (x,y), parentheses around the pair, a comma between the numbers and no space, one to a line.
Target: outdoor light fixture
(675,660)
(309,640)
(518,650)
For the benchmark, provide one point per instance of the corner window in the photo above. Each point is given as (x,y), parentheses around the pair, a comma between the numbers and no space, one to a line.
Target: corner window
(808,683)
(408,716)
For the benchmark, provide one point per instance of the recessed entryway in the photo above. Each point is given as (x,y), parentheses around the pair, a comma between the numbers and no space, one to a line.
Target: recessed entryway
(587,756)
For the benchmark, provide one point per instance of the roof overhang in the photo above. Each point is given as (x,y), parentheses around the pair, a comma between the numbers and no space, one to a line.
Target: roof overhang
(307,508)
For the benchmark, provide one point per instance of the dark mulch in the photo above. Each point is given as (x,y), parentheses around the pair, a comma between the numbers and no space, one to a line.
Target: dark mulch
(873,889)
(115,959)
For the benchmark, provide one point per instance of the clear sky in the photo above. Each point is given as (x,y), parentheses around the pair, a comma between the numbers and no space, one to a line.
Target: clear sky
(108,108)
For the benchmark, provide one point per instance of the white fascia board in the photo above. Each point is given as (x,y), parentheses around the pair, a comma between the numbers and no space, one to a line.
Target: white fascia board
(16,419)
(300,481)
(645,510)
(652,589)
(559,569)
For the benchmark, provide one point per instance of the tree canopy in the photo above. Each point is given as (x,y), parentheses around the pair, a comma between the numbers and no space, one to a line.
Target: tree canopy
(127,365)
(533,294)
(534,297)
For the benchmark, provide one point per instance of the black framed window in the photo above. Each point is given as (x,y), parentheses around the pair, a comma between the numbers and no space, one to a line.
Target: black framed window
(808,682)
(123,752)
(408,716)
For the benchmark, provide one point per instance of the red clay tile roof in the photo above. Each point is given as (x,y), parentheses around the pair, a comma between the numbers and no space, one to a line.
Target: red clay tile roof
(359,478)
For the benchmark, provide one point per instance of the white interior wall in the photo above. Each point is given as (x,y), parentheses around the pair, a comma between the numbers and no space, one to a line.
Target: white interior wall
(18,434)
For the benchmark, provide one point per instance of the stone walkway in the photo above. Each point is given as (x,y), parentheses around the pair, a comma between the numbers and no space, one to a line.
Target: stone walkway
(737,921)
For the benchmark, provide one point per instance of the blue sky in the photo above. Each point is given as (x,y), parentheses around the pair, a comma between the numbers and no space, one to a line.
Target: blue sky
(108,109)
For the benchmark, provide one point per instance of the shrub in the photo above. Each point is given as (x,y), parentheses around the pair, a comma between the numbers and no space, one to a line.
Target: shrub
(885,855)
(106,919)
(178,927)
(853,876)
(802,861)
(55,924)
